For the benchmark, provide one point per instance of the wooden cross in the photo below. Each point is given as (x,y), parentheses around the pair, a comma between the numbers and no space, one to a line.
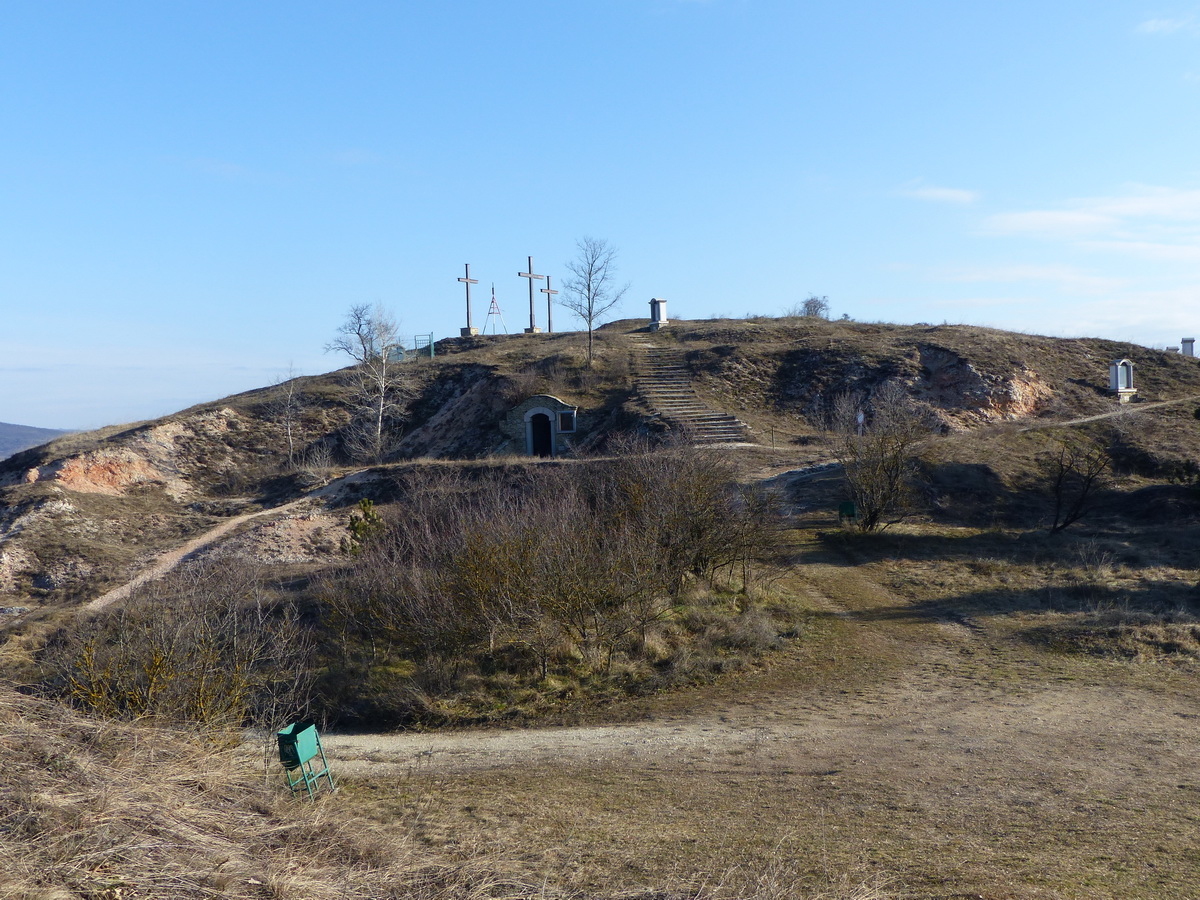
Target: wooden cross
(532,329)
(468,281)
(549,302)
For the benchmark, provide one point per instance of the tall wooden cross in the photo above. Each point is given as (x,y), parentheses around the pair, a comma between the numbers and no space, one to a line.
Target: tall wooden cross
(468,281)
(549,304)
(532,329)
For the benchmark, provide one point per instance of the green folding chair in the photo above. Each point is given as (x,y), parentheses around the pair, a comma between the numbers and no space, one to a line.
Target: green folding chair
(299,747)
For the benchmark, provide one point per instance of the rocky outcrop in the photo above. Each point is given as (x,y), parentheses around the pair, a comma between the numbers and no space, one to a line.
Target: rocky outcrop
(467,407)
(963,396)
(161,455)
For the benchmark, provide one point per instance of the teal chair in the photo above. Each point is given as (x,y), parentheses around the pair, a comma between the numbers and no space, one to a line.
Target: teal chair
(299,746)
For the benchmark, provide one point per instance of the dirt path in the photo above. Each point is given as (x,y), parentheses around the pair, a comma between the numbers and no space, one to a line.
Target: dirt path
(167,561)
(1071,727)
(954,688)
(1120,411)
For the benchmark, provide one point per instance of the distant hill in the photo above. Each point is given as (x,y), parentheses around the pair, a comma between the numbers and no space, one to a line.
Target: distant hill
(15,438)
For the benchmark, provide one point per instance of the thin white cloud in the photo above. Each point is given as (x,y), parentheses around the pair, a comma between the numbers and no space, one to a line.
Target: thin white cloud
(1145,317)
(919,190)
(1069,278)
(1049,222)
(985,303)
(1146,220)
(1149,200)
(1165,26)
(1157,251)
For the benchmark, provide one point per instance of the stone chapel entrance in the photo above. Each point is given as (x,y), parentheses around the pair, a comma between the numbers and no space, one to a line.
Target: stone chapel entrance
(540,435)
(540,425)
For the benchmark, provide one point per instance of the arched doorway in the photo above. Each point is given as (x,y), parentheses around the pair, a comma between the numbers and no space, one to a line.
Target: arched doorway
(541,435)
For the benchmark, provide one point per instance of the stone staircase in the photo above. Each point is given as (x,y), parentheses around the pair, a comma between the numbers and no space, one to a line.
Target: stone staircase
(664,385)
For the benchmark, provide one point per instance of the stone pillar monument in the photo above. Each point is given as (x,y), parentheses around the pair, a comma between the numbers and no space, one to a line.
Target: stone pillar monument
(1120,379)
(658,313)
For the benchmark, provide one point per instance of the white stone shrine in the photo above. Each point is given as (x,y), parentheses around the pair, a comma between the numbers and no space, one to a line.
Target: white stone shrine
(658,313)
(1120,379)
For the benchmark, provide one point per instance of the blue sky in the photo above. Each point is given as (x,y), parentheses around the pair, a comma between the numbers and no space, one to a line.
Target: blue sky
(193,194)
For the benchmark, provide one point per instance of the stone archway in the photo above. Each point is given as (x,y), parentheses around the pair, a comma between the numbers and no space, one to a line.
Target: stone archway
(540,426)
(541,435)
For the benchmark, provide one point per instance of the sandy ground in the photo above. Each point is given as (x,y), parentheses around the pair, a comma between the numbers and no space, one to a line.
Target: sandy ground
(1054,733)
(166,562)
(975,766)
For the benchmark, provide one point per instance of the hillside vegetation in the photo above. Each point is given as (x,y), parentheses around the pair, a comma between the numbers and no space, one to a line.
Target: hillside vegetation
(86,511)
(984,690)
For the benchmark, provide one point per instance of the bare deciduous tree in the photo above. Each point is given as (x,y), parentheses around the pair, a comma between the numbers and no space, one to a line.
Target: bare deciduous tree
(591,291)
(1073,472)
(875,443)
(371,337)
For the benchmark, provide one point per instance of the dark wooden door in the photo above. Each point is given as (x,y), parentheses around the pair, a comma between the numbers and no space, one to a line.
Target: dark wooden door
(541,439)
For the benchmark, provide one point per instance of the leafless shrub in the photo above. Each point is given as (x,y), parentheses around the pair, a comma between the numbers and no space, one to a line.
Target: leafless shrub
(522,385)
(875,440)
(1071,474)
(576,566)
(317,464)
(1095,561)
(208,644)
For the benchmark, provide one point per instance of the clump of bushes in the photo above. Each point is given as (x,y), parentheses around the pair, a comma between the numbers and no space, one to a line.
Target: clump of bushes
(481,594)
(210,644)
(536,584)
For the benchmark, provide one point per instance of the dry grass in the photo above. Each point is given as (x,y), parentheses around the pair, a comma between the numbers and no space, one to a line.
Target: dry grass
(108,811)
(976,710)
(911,750)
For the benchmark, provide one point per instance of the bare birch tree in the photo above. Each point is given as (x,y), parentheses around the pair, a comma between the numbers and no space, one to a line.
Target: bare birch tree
(591,291)
(370,336)
(286,407)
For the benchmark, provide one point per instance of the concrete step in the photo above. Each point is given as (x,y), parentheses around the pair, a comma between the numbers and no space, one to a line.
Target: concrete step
(665,386)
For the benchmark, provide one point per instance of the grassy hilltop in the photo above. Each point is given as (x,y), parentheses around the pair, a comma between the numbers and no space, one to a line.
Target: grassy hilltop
(749,698)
